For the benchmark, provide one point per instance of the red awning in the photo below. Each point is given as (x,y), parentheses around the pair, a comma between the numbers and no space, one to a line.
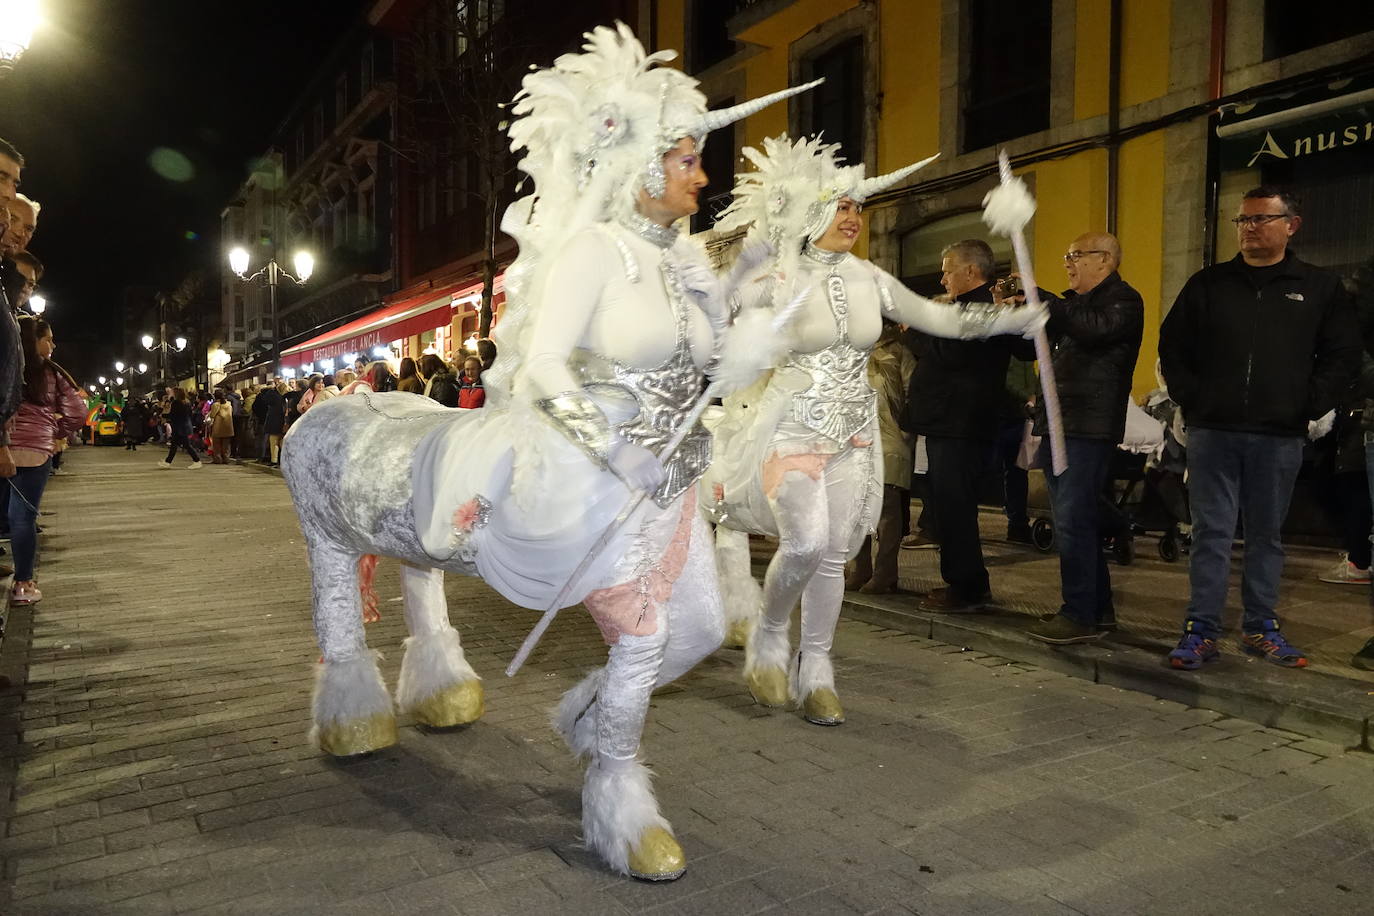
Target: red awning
(377,329)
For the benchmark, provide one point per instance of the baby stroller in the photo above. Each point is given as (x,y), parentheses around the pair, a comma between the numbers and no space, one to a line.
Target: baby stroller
(1144,492)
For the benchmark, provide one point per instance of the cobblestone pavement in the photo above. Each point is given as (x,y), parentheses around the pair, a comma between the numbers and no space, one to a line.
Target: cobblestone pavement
(161,764)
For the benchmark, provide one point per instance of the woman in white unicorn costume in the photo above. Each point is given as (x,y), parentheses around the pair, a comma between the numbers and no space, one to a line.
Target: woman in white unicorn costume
(797,456)
(611,321)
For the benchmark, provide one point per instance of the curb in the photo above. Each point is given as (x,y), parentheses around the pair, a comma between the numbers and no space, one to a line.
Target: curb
(1311,703)
(259,468)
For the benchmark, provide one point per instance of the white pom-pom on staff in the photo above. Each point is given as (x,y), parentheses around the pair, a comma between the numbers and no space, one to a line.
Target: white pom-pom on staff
(1007,209)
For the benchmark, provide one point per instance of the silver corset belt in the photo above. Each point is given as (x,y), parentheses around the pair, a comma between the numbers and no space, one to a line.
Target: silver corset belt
(839,401)
(664,396)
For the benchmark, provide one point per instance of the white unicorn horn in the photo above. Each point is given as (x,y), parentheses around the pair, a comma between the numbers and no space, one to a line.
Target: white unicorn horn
(714,120)
(870,186)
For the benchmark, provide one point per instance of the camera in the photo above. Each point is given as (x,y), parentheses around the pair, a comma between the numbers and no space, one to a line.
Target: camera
(1008,287)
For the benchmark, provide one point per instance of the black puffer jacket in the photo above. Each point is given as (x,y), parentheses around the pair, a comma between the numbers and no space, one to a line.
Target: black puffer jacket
(1260,353)
(1096,339)
(959,386)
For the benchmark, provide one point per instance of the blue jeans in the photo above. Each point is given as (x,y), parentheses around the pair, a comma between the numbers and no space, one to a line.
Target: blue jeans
(28,484)
(1228,473)
(1074,498)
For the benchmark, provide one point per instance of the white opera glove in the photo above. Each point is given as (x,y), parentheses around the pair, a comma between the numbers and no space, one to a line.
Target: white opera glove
(699,279)
(1321,426)
(983,319)
(636,466)
(1032,319)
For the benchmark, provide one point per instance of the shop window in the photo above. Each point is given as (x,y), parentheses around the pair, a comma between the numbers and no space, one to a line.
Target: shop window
(711,42)
(718,160)
(1006,82)
(835,108)
(919,264)
(1291,26)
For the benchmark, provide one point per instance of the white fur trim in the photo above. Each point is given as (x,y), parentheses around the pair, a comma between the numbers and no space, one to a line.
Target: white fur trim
(1008,207)
(739,590)
(577,730)
(433,662)
(618,805)
(812,672)
(768,648)
(349,690)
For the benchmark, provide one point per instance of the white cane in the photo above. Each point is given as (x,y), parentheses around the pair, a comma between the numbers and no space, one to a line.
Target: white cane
(1010,220)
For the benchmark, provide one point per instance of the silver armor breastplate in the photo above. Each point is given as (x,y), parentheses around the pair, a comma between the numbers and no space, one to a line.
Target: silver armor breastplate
(839,402)
(665,395)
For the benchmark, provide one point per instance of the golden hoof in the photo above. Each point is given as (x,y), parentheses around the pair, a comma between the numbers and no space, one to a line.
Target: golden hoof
(738,635)
(769,686)
(657,857)
(357,736)
(459,704)
(822,707)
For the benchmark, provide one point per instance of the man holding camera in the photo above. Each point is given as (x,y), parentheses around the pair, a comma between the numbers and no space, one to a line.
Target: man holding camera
(956,393)
(1095,331)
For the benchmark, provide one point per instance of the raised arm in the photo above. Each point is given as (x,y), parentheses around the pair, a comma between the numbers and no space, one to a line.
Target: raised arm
(964,320)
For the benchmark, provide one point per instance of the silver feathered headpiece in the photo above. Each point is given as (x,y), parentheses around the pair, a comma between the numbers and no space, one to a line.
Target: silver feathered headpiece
(599,122)
(797,186)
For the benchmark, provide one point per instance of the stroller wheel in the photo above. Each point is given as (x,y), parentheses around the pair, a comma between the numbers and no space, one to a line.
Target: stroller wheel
(1169,548)
(1042,535)
(1123,548)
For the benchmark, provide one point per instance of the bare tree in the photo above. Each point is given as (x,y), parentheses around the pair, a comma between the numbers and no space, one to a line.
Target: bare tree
(462,59)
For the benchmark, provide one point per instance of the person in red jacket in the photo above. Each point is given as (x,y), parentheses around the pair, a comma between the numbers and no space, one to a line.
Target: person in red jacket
(470,391)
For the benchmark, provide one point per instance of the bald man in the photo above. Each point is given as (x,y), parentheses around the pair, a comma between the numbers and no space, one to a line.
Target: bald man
(1095,330)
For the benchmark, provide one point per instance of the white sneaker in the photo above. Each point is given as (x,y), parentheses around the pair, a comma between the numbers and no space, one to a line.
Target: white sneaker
(193,465)
(59,472)
(1345,573)
(165,465)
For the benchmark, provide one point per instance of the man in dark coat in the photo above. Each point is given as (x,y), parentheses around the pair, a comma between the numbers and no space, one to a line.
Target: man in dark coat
(1253,350)
(269,412)
(1095,329)
(954,401)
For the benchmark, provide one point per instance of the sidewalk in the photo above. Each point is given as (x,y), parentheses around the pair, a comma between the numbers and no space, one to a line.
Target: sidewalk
(1329,622)
(154,757)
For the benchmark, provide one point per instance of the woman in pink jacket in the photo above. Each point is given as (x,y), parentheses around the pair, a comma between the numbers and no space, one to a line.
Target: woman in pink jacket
(52,408)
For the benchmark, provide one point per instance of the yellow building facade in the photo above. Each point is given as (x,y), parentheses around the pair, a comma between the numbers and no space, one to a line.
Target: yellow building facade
(1128,145)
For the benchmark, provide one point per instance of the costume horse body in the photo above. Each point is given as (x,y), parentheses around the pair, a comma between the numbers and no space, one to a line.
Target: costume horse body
(349,507)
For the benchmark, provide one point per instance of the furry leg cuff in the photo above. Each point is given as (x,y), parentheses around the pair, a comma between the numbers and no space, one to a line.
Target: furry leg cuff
(618,806)
(352,709)
(437,685)
(574,719)
(812,672)
(433,663)
(768,648)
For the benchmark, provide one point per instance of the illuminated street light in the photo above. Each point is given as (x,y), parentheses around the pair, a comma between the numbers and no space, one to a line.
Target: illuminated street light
(37,304)
(142,368)
(180,343)
(101,379)
(271,274)
(119,365)
(18,19)
(119,380)
(147,341)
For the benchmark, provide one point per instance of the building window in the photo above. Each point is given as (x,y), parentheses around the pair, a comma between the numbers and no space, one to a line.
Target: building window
(238,311)
(710,42)
(1007,81)
(836,107)
(1290,27)
(718,161)
(365,84)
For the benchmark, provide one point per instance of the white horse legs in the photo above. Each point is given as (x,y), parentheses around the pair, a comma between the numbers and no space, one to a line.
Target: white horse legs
(437,685)
(351,707)
(603,717)
(739,590)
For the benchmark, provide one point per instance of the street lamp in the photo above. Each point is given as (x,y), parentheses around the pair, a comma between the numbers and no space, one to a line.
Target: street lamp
(37,304)
(162,348)
(18,19)
(271,273)
(101,380)
(119,365)
(142,368)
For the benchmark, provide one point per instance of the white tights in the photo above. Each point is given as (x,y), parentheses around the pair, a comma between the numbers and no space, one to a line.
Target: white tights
(816,518)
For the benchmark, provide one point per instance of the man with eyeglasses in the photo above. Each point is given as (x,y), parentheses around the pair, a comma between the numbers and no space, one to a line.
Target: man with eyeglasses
(1095,330)
(1253,349)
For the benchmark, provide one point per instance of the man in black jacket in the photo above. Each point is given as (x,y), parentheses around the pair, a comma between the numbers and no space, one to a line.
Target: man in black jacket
(1095,330)
(1252,350)
(954,401)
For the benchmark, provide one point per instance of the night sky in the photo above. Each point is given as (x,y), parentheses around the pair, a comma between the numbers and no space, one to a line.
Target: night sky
(110,87)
